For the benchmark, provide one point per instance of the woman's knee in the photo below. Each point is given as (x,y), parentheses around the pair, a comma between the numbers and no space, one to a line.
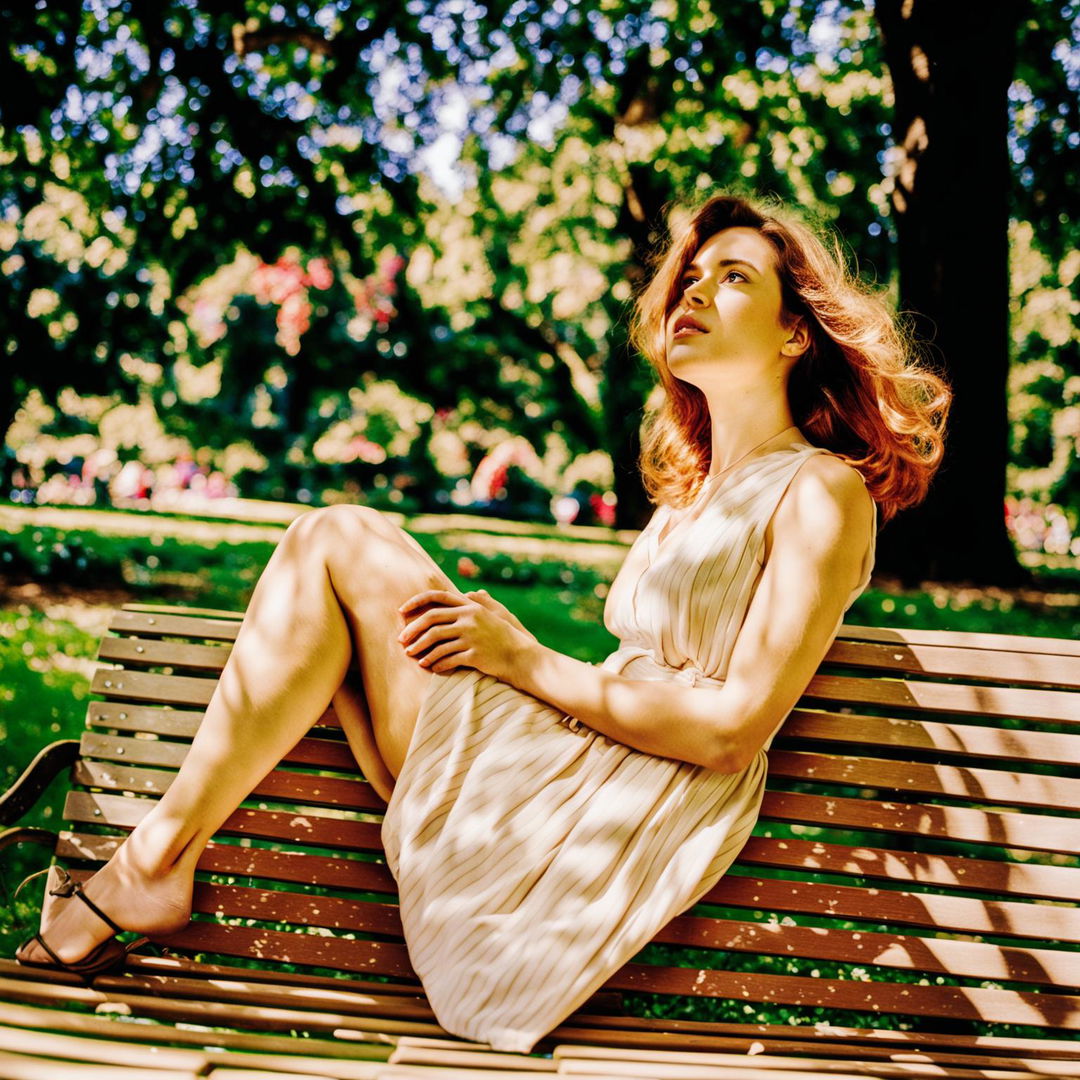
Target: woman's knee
(347,539)
(332,529)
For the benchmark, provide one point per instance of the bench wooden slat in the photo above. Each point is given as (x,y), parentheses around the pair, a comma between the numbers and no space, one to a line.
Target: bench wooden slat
(960,639)
(314,950)
(50,1045)
(26,1067)
(1058,706)
(169,722)
(315,830)
(995,787)
(290,867)
(160,624)
(172,609)
(990,665)
(146,652)
(314,753)
(962,1002)
(937,956)
(1031,832)
(211,1013)
(837,1040)
(1004,918)
(1013,830)
(30,1018)
(947,871)
(280,785)
(1025,880)
(198,1062)
(720,1064)
(963,740)
(127,685)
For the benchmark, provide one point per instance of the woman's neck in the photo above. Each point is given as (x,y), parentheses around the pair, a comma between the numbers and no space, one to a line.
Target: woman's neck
(732,445)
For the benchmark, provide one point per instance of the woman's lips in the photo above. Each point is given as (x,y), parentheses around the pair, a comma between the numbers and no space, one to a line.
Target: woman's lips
(687,324)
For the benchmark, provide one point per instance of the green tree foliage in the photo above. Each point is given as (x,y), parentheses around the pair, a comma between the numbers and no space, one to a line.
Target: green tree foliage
(167,141)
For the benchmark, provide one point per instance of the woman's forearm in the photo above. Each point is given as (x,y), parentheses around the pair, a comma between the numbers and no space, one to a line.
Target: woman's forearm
(657,716)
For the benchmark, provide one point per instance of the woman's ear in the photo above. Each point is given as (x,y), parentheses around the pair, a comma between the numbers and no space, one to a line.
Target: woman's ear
(798,338)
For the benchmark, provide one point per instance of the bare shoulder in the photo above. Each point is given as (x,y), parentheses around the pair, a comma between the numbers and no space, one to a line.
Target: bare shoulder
(826,505)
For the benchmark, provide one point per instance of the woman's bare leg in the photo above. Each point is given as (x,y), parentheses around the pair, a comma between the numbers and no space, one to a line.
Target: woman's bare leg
(333,584)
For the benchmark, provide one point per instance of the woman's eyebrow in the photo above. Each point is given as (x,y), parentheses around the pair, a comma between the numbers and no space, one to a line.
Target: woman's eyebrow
(726,262)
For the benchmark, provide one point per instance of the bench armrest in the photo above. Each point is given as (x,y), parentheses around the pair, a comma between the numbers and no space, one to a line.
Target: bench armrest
(36,777)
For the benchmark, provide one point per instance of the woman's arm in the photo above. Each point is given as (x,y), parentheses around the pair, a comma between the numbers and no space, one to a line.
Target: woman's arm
(822,530)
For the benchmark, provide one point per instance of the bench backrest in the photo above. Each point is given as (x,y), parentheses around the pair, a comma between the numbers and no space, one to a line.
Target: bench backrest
(917,862)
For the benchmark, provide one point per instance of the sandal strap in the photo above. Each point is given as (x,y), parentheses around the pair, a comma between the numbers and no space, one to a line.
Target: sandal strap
(45,945)
(96,910)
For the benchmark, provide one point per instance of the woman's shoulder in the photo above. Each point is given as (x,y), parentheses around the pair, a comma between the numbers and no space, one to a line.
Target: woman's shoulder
(827,494)
(826,514)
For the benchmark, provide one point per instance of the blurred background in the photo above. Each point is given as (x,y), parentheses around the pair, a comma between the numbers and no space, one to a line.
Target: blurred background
(259,257)
(383,253)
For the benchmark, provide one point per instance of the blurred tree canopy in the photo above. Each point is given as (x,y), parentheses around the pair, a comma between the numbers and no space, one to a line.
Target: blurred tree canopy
(463,198)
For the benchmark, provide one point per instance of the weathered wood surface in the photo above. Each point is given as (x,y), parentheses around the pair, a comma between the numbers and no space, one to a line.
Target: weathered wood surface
(920,841)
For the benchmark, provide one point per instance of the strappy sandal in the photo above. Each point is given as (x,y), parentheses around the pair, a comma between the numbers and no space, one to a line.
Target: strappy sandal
(108,956)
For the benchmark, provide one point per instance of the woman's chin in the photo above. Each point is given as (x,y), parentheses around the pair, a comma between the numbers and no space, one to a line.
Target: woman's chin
(681,366)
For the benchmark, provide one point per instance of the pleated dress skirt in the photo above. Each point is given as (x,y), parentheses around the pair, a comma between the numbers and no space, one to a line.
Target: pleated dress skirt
(534,860)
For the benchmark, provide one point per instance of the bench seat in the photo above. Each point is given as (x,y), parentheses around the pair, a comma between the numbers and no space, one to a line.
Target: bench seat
(908,902)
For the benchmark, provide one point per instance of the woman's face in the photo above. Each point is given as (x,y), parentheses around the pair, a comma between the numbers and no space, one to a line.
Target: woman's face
(731,291)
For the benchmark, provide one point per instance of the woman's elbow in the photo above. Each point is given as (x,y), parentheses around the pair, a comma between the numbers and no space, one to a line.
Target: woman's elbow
(732,753)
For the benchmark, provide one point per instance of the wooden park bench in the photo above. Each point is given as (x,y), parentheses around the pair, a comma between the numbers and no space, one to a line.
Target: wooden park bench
(909,897)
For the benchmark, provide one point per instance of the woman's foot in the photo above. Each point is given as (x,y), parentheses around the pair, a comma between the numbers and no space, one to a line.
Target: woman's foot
(154,905)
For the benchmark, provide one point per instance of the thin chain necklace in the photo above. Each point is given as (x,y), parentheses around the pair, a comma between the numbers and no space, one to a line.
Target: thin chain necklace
(728,468)
(682,511)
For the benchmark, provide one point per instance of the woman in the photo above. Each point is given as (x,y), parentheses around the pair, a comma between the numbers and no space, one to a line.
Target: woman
(546,817)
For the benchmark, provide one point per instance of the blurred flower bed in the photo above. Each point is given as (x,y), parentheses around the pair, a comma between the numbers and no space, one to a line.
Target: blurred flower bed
(378,447)
(1043,527)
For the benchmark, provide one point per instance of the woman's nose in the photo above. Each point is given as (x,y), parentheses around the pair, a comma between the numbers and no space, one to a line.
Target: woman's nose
(695,293)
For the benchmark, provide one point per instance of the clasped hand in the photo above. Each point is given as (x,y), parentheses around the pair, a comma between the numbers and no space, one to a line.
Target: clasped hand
(463,630)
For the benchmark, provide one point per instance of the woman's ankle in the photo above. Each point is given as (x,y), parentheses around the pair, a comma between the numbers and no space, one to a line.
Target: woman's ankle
(157,849)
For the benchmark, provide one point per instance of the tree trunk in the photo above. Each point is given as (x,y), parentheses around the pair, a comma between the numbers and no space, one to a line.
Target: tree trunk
(628,377)
(951,67)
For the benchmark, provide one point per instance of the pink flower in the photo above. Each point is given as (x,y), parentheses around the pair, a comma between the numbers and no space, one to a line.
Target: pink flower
(319,273)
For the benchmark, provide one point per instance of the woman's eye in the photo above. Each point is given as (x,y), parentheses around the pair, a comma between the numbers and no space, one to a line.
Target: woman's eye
(735,273)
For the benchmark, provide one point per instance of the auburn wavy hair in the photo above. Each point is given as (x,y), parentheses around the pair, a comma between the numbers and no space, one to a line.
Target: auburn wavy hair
(863,389)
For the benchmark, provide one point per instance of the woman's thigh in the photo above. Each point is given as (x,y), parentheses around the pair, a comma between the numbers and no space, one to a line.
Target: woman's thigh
(375,566)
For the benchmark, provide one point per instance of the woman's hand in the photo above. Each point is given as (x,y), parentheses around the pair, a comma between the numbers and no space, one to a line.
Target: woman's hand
(463,630)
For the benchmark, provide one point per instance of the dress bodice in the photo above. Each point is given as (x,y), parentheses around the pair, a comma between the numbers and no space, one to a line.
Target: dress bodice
(678,602)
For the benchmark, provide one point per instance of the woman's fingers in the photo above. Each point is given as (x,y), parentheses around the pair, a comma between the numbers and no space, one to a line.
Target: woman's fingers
(432,636)
(434,617)
(432,596)
(442,656)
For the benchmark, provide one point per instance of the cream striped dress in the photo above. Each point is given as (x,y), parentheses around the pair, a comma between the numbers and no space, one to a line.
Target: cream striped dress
(535,856)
